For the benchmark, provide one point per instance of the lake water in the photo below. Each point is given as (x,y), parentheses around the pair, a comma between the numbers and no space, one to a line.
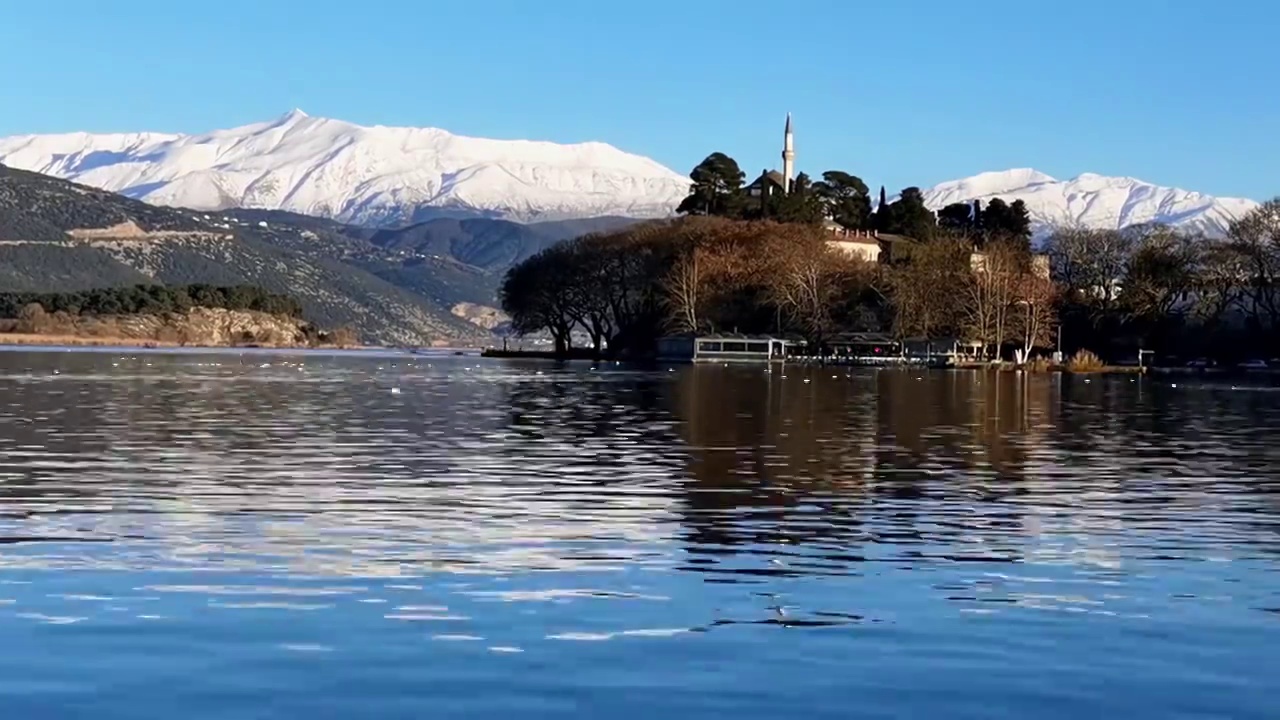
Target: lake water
(213,535)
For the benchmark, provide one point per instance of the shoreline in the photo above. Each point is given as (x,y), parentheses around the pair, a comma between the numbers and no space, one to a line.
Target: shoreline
(1062,369)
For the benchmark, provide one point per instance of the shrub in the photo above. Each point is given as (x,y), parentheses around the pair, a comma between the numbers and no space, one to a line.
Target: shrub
(1085,361)
(1040,365)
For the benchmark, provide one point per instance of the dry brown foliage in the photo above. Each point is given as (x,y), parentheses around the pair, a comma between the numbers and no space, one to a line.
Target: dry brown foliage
(1085,361)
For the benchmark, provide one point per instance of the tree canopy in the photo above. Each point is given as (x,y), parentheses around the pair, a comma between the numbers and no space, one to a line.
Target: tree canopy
(152,300)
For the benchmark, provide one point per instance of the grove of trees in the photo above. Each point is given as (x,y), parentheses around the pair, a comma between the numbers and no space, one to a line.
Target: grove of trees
(1174,292)
(627,288)
(719,189)
(152,300)
(738,263)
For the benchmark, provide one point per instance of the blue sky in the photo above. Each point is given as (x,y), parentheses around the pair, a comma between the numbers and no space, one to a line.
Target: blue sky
(902,93)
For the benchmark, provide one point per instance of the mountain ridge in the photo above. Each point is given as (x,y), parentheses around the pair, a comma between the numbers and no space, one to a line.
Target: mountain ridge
(1093,201)
(380,176)
(361,175)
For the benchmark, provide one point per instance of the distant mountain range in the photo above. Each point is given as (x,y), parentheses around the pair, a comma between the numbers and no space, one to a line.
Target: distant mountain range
(373,176)
(404,233)
(391,177)
(1093,201)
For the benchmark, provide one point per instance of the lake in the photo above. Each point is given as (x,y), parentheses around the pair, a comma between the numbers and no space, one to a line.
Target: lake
(211,535)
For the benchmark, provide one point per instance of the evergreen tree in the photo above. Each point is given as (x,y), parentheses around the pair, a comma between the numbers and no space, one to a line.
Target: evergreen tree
(958,217)
(802,205)
(845,199)
(880,218)
(716,188)
(1019,225)
(908,216)
(1002,220)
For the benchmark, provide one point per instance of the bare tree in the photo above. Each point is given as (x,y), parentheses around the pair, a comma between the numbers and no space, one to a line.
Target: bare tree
(810,281)
(987,297)
(922,287)
(1034,318)
(684,288)
(1091,264)
(1162,272)
(706,259)
(1221,276)
(1255,239)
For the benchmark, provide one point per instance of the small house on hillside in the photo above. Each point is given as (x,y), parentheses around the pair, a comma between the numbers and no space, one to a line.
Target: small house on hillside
(869,245)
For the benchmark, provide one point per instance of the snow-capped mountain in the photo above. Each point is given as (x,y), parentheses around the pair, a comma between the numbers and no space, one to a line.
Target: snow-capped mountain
(1093,201)
(360,175)
(392,176)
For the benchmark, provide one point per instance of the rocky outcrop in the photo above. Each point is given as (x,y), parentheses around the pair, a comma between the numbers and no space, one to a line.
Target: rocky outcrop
(481,315)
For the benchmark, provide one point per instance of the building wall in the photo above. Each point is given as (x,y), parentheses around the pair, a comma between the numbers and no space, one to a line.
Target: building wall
(868,250)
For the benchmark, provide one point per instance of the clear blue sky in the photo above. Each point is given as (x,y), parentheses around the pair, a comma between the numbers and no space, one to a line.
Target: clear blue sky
(1179,92)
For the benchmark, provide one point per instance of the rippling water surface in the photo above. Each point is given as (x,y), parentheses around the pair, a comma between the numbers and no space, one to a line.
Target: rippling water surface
(211,535)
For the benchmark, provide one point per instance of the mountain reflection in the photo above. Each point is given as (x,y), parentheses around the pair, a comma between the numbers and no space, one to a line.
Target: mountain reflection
(311,464)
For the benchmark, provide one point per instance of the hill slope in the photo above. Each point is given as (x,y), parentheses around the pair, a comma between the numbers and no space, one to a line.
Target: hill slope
(59,236)
(360,175)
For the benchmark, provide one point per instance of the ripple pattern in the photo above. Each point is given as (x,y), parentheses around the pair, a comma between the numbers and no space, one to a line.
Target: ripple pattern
(213,535)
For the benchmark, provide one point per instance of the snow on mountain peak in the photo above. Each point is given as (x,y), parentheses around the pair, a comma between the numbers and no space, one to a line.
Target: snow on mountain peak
(395,175)
(1093,201)
(357,174)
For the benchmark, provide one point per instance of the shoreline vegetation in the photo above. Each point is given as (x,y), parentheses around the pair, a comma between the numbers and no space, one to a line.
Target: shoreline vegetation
(810,261)
(152,316)
(9,339)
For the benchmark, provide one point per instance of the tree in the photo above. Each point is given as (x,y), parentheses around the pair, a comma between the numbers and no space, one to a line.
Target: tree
(1001,220)
(922,286)
(807,279)
(535,294)
(802,205)
(960,218)
(1035,318)
(33,319)
(845,199)
(704,262)
(716,188)
(1090,265)
(684,285)
(1161,273)
(585,282)
(908,216)
(993,287)
(1219,287)
(1255,240)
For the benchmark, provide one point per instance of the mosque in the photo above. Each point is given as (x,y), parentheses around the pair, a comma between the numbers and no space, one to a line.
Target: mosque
(866,244)
(772,182)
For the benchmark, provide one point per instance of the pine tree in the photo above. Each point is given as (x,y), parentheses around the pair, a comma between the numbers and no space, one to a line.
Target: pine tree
(908,216)
(716,188)
(845,199)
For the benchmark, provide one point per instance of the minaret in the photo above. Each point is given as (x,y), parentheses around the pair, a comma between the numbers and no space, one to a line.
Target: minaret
(788,156)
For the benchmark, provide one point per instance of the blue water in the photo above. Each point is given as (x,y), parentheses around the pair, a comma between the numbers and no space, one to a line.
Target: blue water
(208,536)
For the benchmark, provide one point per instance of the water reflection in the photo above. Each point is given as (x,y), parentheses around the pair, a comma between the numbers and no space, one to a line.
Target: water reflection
(507,506)
(298,451)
